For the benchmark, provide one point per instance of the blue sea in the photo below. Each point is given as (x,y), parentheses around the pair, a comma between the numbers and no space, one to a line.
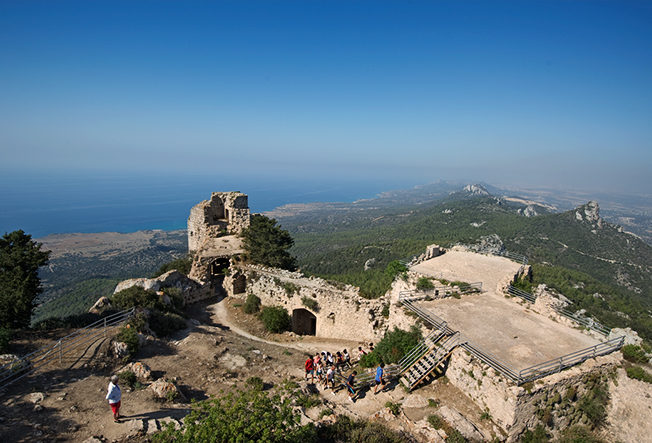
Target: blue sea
(42,204)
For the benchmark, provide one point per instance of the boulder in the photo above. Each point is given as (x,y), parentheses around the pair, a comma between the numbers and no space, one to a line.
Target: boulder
(171,279)
(461,423)
(165,390)
(120,349)
(101,304)
(140,370)
(36,397)
(16,363)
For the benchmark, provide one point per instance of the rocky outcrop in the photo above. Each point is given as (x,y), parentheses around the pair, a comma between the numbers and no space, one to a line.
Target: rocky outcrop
(101,304)
(171,279)
(589,213)
(469,430)
(165,390)
(140,370)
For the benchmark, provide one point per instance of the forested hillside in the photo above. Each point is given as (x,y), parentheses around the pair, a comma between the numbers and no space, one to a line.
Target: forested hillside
(592,262)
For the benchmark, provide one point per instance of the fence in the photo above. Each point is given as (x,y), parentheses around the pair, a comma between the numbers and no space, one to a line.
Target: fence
(17,369)
(511,290)
(584,321)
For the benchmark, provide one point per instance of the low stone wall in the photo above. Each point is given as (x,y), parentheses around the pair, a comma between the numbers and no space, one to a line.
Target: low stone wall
(340,313)
(518,408)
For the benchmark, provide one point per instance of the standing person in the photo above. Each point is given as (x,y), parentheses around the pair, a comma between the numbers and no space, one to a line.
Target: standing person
(330,378)
(350,383)
(347,358)
(329,358)
(339,361)
(380,377)
(361,353)
(114,395)
(310,369)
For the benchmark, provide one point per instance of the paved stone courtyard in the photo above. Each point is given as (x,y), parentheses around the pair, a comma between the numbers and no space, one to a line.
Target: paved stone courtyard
(499,325)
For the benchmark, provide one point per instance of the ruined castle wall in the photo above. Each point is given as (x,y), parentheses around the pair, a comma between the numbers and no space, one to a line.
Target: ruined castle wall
(341,312)
(225,212)
(518,408)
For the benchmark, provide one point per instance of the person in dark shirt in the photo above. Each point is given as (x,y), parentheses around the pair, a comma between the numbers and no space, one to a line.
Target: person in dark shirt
(350,383)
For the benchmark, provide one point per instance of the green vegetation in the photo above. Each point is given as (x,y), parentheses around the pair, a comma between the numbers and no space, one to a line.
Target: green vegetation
(289,287)
(346,429)
(252,304)
(182,265)
(578,434)
(393,346)
(164,324)
(76,299)
(394,408)
(424,284)
(255,383)
(275,319)
(310,303)
(435,421)
(5,337)
(267,244)
(638,373)
(163,319)
(537,436)
(581,263)
(240,416)
(20,260)
(129,336)
(634,353)
(128,378)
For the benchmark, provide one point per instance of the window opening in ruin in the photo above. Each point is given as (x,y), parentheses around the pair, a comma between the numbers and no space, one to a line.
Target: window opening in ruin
(219,266)
(304,322)
(239,284)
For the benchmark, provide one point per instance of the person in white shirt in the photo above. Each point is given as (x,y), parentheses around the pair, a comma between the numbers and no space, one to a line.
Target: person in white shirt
(114,395)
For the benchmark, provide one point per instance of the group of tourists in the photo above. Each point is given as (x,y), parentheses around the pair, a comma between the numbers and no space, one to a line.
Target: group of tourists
(326,366)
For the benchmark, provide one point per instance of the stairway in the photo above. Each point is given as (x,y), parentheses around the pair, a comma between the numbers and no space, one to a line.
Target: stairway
(427,356)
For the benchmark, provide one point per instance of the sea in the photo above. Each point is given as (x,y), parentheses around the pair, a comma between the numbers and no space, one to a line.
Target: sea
(50,203)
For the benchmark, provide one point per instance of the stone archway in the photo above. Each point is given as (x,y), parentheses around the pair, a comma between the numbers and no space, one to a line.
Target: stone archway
(304,322)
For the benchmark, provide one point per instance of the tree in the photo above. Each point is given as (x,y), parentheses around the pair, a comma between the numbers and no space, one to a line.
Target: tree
(267,244)
(20,258)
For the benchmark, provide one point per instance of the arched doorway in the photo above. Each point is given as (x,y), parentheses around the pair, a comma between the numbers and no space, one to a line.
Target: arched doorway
(304,322)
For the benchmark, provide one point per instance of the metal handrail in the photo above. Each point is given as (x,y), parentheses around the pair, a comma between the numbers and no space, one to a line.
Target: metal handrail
(26,365)
(520,293)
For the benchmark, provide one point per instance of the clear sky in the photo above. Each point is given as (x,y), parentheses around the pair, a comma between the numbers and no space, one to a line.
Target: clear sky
(555,93)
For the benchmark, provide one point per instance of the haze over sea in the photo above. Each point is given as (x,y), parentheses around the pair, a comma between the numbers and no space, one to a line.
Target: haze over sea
(100,202)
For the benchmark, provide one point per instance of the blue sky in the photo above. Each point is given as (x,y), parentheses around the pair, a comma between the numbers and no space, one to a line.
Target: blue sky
(529,92)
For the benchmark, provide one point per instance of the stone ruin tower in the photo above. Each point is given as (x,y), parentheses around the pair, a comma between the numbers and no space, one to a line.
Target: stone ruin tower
(225,213)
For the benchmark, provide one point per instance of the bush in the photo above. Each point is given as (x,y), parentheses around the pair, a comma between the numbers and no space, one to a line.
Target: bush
(594,404)
(128,378)
(394,345)
(252,304)
(359,431)
(165,323)
(239,416)
(537,436)
(395,268)
(634,354)
(137,297)
(435,421)
(638,373)
(310,303)
(578,434)
(275,319)
(129,336)
(182,265)
(5,336)
(424,284)
(255,383)
(176,297)
(385,311)
(394,408)
(267,244)
(454,436)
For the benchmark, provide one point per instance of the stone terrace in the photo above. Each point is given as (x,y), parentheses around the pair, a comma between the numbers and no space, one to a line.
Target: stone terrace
(502,326)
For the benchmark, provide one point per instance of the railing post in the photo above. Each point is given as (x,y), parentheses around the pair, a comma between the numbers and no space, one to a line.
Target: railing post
(60,351)
(104,329)
(561,364)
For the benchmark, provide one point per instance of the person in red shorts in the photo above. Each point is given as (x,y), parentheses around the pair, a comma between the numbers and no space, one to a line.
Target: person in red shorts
(310,370)
(114,395)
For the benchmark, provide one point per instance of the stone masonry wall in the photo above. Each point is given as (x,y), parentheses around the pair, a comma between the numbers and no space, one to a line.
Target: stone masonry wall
(341,312)
(226,212)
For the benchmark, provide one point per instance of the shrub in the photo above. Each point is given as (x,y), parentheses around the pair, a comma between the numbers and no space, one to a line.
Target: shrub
(310,303)
(395,344)
(5,336)
(424,284)
(395,268)
(251,415)
(454,436)
(385,311)
(129,336)
(252,304)
(360,431)
(275,319)
(638,373)
(267,244)
(634,354)
(537,436)
(182,265)
(176,297)
(128,378)
(394,408)
(325,412)
(594,404)
(255,383)
(432,403)
(435,421)
(137,297)
(370,360)
(577,434)
(165,323)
